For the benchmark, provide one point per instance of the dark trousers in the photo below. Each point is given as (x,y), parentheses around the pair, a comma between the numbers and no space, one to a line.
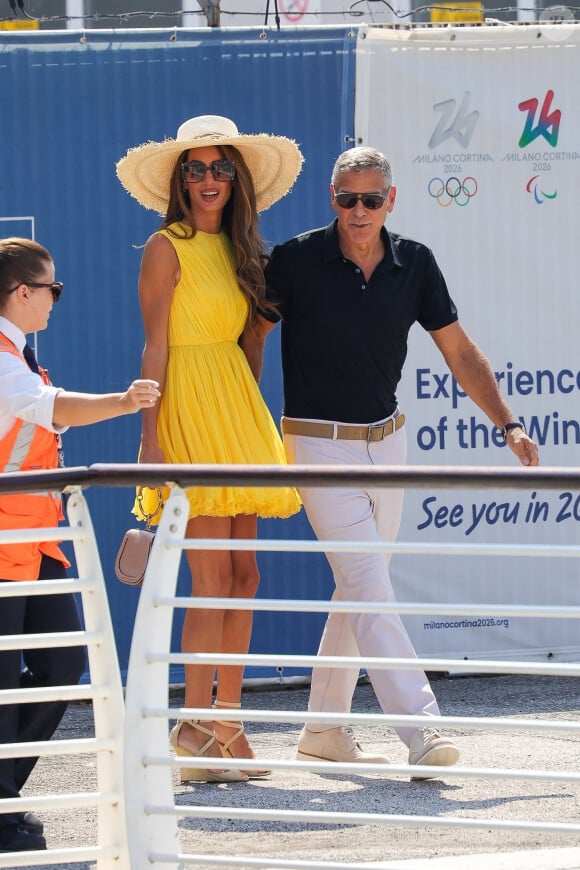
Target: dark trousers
(42,667)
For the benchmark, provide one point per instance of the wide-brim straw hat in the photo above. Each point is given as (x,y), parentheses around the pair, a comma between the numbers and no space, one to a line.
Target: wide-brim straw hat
(274,161)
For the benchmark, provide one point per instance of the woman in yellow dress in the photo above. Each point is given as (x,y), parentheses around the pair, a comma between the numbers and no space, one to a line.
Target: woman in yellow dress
(201,282)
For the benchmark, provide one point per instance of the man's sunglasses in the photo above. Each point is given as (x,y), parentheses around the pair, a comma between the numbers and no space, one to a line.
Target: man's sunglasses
(371,201)
(55,288)
(195,170)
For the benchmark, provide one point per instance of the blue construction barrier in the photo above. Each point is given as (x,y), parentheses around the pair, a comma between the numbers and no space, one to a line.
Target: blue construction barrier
(71,104)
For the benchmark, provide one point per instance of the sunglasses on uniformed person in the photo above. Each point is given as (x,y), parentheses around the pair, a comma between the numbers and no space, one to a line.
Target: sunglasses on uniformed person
(195,170)
(55,288)
(371,201)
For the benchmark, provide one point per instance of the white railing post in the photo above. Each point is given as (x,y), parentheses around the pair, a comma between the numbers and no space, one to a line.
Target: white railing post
(104,671)
(148,687)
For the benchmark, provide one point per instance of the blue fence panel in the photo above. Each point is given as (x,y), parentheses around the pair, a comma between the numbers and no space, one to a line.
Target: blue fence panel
(71,104)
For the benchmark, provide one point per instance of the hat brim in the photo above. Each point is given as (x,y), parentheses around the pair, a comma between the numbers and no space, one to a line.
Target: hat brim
(274,163)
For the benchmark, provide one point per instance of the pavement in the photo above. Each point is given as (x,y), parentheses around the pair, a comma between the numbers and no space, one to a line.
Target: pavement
(403,845)
(541,859)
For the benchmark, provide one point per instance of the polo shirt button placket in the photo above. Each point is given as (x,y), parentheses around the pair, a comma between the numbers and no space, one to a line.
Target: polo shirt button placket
(357,271)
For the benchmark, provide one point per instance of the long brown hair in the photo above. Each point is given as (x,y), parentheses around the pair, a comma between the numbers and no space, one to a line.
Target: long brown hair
(239,220)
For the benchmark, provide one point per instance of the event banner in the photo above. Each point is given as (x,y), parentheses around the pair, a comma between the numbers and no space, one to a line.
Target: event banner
(482,125)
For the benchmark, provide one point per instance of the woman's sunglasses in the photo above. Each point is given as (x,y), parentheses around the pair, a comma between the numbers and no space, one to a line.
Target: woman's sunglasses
(371,201)
(195,170)
(55,288)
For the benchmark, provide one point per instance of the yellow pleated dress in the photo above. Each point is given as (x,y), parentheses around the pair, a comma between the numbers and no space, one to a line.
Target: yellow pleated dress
(212,410)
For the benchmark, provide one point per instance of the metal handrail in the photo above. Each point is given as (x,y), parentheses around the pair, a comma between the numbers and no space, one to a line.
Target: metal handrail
(147,714)
(418,476)
(104,690)
(146,829)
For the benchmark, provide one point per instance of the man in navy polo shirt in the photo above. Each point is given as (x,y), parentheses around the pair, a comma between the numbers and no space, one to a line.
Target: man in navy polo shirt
(347,295)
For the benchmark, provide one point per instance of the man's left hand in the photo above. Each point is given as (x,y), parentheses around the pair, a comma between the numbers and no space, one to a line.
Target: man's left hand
(523,446)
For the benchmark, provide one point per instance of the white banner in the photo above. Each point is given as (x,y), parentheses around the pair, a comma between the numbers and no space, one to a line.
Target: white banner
(252,13)
(482,125)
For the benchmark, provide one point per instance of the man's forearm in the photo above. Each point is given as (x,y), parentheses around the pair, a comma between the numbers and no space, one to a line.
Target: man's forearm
(474,374)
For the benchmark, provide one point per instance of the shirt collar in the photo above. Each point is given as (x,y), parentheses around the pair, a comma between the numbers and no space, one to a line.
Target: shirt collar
(332,248)
(13,332)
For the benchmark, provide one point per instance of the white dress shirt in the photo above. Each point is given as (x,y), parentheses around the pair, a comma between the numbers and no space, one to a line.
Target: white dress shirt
(22,393)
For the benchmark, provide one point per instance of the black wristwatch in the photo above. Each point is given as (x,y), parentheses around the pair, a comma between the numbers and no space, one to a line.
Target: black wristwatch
(515,425)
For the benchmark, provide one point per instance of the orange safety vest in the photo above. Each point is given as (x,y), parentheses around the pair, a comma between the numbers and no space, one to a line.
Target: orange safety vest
(28,447)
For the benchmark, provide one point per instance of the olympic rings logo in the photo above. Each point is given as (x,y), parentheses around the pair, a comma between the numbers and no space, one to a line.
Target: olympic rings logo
(452,190)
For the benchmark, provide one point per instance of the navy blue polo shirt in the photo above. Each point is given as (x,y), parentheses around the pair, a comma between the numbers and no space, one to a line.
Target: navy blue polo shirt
(344,340)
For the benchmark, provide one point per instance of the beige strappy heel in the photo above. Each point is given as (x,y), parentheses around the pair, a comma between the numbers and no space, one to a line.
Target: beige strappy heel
(238,728)
(201,774)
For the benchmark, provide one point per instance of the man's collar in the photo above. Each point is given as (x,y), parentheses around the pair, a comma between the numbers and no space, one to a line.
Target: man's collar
(391,255)
(332,247)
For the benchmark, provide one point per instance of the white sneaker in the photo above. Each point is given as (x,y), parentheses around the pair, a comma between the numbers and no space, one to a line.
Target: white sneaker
(334,744)
(429,747)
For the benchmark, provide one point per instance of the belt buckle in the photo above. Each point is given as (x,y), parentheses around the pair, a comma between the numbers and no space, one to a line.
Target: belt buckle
(378,429)
(386,428)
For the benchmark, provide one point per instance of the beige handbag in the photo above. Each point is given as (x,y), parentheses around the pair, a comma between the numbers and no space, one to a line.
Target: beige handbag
(133,554)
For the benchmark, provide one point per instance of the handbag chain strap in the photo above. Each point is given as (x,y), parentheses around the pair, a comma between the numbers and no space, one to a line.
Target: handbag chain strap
(149,517)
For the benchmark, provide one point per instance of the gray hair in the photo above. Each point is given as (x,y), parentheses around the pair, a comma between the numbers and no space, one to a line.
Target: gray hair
(363,160)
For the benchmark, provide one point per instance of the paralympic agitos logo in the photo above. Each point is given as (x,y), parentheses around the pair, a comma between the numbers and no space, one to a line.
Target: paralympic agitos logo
(547,126)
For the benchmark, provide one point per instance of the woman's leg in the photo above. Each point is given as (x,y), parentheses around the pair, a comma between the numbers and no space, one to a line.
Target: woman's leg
(237,626)
(212,576)
(236,639)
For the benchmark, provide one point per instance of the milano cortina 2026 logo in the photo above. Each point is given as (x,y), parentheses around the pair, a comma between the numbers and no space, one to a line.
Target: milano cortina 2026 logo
(548,127)
(454,183)
(456,180)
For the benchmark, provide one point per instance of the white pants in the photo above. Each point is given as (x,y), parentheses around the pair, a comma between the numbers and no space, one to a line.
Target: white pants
(369,514)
